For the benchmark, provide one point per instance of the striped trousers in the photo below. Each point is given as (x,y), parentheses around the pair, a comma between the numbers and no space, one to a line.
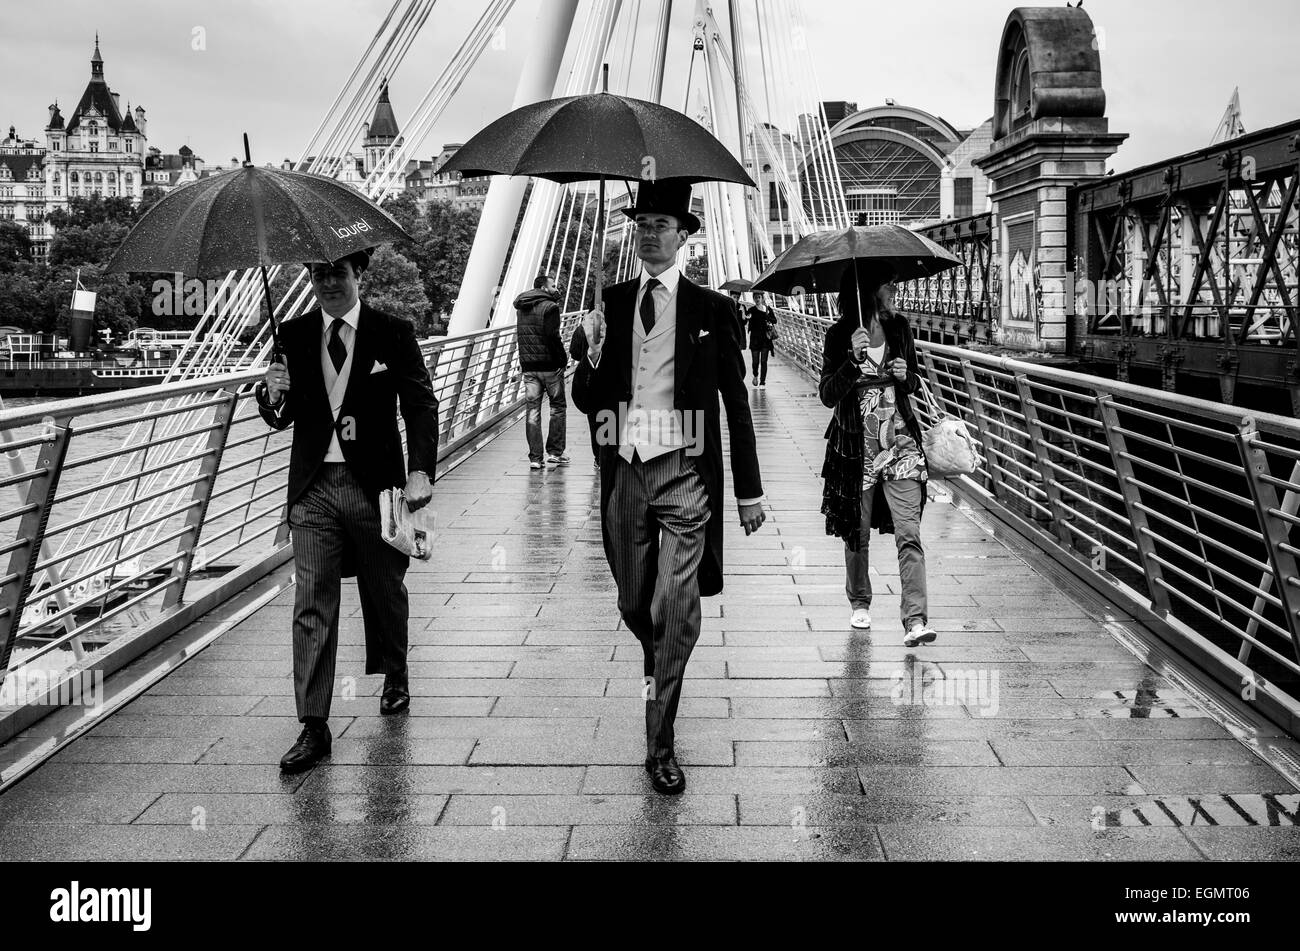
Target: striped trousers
(335,514)
(658,512)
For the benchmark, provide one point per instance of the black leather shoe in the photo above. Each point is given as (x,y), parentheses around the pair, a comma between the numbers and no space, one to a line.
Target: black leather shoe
(313,745)
(666,776)
(396,697)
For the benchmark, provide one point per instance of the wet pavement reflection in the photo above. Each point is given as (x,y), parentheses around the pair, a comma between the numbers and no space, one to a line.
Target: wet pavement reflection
(1026,731)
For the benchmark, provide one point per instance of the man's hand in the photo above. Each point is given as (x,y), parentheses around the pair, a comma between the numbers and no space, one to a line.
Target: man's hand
(898,367)
(751,517)
(418,491)
(277,383)
(593,326)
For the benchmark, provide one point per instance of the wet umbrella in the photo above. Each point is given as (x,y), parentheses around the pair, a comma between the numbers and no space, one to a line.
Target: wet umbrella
(736,284)
(598,136)
(822,258)
(253,217)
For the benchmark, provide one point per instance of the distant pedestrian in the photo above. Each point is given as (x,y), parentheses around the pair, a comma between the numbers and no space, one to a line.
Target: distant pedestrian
(761,322)
(543,360)
(578,348)
(874,470)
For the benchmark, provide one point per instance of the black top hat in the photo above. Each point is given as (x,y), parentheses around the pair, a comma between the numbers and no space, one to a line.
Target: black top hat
(665,197)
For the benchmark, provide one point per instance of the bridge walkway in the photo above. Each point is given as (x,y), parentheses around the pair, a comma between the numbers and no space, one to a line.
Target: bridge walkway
(801,738)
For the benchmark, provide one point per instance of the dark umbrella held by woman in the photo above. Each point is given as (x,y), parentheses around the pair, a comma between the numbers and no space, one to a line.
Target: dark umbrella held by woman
(874,470)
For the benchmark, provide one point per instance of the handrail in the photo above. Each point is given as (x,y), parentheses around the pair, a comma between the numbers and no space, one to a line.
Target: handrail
(112,494)
(1186,509)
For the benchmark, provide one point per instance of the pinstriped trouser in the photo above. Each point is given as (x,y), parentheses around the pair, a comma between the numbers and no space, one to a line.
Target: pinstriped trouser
(333,513)
(658,512)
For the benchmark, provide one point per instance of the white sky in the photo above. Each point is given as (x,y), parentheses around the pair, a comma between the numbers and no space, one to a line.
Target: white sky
(272,67)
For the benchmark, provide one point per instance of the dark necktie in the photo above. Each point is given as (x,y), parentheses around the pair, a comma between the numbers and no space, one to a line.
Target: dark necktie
(648,305)
(338,350)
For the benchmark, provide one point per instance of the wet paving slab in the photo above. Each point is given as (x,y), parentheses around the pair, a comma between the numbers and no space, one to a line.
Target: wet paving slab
(1025,732)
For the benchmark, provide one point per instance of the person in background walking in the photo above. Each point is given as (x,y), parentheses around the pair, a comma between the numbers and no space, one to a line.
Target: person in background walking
(874,469)
(543,359)
(578,348)
(761,321)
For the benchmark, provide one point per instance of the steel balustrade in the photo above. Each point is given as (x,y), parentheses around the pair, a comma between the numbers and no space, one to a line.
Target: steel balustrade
(1186,511)
(129,506)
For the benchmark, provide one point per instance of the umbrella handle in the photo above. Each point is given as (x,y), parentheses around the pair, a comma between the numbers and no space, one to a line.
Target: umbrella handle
(277,354)
(599,239)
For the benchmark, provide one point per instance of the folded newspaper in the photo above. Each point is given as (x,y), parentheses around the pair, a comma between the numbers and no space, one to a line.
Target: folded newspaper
(409,532)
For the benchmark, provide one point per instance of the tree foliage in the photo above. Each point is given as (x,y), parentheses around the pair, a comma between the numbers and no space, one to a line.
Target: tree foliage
(392,284)
(15,245)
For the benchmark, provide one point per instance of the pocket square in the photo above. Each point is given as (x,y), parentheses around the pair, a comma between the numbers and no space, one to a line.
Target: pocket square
(378,367)
(703,334)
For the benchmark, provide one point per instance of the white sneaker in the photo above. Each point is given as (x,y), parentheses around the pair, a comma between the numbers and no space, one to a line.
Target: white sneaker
(919,634)
(861,620)
(560,460)
(535,465)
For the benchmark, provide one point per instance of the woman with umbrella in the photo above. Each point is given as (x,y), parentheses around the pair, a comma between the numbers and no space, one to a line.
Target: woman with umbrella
(761,323)
(874,469)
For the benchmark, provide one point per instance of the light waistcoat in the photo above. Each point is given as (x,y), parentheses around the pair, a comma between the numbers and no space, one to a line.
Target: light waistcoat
(336,384)
(652,426)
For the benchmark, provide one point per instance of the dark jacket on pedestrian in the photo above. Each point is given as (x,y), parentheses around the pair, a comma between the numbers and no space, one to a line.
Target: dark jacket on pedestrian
(708,369)
(538,331)
(759,322)
(841,380)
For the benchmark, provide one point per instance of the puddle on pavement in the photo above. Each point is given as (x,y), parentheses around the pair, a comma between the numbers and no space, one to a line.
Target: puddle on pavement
(1150,704)
(1240,810)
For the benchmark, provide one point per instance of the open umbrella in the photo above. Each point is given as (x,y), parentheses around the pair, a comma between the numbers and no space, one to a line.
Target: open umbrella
(598,136)
(736,284)
(253,217)
(822,259)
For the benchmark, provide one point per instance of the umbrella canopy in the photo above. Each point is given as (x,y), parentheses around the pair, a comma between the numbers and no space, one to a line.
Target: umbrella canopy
(815,264)
(253,216)
(581,138)
(736,284)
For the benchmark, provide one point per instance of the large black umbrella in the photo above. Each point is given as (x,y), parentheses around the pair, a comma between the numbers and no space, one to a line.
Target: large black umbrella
(598,136)
(815,264)
(253,217)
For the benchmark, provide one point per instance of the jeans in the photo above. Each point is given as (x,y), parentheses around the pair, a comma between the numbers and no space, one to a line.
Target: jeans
(759,363)
(904,497)
(552,383)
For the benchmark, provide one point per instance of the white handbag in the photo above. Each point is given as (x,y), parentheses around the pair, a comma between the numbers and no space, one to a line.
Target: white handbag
(947,444)
(409,532)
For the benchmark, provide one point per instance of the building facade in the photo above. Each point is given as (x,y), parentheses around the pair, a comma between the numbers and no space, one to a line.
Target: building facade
(426,182)
(899,164)
(99,149)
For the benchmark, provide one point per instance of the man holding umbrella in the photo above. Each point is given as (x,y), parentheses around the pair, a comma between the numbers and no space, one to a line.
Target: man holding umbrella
(350,366)
(661,353)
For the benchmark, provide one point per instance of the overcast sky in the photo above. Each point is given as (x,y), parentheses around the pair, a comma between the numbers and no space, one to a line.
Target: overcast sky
(273,68)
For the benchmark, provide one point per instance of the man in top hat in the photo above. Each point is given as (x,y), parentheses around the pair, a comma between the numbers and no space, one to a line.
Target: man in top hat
(351,365)
(660,353)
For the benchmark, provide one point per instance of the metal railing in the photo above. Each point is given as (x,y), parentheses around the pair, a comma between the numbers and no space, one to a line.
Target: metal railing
(1183,509)
(961,304)
(125,510)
